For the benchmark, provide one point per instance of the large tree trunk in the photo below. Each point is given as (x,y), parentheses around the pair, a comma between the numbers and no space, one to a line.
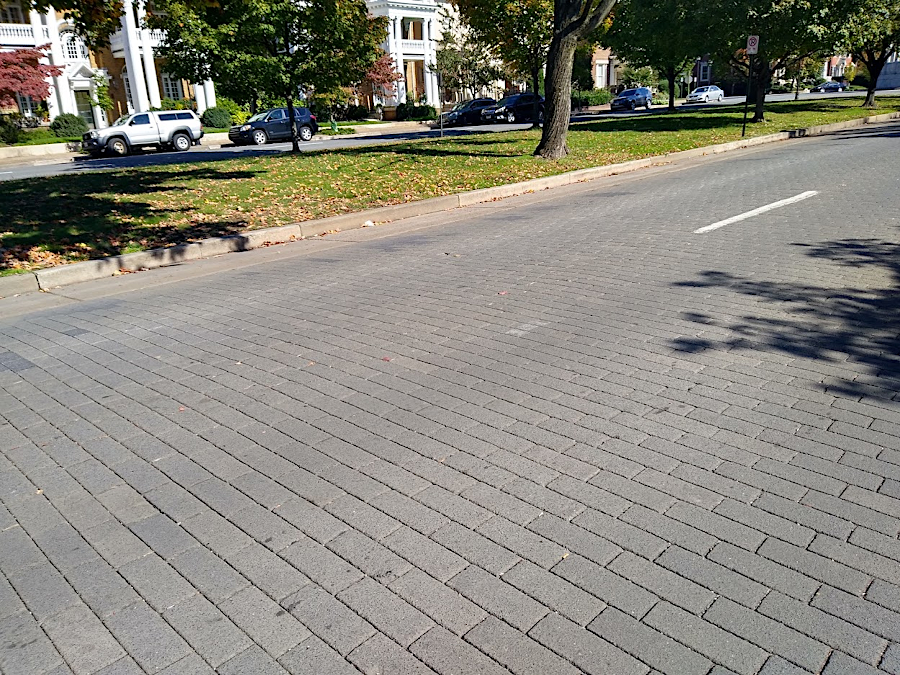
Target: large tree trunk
(536,111)
(558,107)
(763,75)
(295,145)
(670,78)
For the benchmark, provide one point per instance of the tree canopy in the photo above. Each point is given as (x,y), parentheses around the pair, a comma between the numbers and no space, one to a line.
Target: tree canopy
(656,33)
(871,33)
(518,32)
(463,59)
(279,48)
(22,73)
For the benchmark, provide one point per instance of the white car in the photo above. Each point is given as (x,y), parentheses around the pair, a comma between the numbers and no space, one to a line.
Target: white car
(706,94)
(175,129)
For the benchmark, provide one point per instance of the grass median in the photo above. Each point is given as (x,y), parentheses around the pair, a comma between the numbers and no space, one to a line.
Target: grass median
(67,218)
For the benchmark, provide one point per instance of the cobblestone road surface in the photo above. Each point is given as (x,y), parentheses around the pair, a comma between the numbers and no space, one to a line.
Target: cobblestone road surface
(554,435)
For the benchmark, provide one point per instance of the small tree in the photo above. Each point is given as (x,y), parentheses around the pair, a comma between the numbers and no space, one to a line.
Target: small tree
(463,60)
(518,32)
(272,47)
(382,76)
(22,73)
(657,34)
(871,34)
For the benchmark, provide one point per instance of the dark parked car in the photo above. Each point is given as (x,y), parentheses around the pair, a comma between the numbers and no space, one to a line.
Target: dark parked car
(514,108)
(468,112)
(829,88)
(632,98)
(273,125)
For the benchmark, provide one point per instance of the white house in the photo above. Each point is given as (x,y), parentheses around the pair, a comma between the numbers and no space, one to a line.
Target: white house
(137,79)
(414,28)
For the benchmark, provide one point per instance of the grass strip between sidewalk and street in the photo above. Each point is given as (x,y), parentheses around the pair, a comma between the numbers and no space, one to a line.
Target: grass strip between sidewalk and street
(72,217)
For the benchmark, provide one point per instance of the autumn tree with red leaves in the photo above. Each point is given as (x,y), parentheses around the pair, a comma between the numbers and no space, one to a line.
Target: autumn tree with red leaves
(22,73)
(382,76)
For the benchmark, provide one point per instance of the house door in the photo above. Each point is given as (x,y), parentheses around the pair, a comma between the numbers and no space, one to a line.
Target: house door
(84,107)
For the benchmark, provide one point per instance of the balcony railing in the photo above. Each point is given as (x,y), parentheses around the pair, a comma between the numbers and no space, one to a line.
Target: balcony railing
(412,46)
(117,40)
(22,35)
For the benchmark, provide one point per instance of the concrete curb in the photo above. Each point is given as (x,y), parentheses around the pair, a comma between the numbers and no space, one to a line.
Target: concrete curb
(64,275)
(44,150)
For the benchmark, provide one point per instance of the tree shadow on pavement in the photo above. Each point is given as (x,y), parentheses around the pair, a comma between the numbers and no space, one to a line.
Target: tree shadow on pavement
(859,324)
(66,218)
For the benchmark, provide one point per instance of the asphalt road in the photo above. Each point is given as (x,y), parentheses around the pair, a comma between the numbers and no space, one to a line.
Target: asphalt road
(13,171)
(649,423)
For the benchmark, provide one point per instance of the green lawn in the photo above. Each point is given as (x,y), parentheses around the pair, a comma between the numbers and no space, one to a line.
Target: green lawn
(61,219)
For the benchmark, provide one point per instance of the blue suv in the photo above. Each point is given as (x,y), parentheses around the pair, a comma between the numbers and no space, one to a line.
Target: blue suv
(273,125)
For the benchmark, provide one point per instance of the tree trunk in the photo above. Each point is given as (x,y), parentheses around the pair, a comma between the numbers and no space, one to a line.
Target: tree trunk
(670,78)
(558,107)
(874,64)
(295,145)
(763,74)
(535,85)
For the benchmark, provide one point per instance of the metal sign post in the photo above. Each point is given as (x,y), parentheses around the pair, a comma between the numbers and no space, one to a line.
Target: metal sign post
(752,48)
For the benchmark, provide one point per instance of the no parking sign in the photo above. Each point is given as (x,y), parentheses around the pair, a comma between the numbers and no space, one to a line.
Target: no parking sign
(753,44)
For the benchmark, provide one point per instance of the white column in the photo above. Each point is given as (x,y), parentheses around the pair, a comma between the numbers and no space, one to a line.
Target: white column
(200,97)
(131,36)
(147,55)
(209,93)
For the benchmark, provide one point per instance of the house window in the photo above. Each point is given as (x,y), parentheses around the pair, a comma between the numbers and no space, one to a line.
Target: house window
(126,82)
(11,13)
(704,72)
(74,47)
(172,87)
(27,105)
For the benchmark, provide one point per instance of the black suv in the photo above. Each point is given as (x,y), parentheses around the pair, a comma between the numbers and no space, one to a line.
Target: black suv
(273,125)
(514,108)
(468,112)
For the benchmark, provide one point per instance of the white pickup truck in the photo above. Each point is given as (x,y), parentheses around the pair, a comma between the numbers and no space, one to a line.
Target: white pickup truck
(163,129)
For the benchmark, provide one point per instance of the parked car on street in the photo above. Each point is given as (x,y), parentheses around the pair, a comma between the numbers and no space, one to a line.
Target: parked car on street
(514,108)
(829,88)
(162,129)
(468,112)
(706,94)
(273,125)
(632,98)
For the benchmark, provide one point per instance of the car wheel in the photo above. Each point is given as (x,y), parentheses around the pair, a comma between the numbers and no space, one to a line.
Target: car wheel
(511,117)
(260,137)
(118,146)
(306,133)
(181,142)
(649,103)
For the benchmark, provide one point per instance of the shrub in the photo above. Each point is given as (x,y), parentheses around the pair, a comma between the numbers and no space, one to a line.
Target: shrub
(357,113)
(412,112)
(67,124)
(9,131)
(582,99)
(217,118)
(239,114)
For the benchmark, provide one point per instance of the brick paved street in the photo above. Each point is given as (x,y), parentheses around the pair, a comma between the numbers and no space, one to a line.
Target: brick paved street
(550,435)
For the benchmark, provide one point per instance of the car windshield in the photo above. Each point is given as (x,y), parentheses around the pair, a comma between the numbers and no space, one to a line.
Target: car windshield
(506,100)
(122,120)
(628,92)
(461,105)
(258,117)
(700,90)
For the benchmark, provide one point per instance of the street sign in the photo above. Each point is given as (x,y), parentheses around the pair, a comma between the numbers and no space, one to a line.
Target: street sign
(753,44)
